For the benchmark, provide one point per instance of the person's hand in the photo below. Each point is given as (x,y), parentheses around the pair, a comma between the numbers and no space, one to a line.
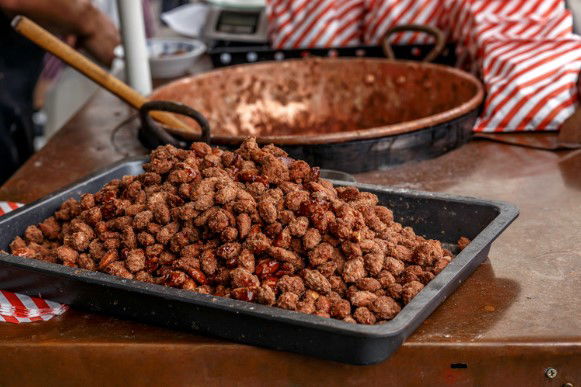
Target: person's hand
(100,37)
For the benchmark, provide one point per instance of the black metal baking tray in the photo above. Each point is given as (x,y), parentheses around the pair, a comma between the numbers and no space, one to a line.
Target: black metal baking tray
(438,216)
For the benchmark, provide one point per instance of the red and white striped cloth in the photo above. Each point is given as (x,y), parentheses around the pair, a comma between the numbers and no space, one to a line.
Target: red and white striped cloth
(381,15)
(493,28)
(528,57)
(531,85)
(18,308)
(467,20)
(308,24)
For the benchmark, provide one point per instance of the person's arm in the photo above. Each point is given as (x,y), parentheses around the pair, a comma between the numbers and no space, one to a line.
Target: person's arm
(93,29)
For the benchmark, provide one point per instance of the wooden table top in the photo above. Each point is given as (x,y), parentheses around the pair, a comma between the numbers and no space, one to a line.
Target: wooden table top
(518,314)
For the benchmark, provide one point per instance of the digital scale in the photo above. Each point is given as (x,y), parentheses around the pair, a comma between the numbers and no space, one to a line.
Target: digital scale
(234,21)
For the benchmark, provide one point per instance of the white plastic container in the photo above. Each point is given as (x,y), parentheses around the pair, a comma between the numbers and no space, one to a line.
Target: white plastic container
(171,57)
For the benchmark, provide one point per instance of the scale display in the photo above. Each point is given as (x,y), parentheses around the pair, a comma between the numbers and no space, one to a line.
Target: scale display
(228,21)
(231,22)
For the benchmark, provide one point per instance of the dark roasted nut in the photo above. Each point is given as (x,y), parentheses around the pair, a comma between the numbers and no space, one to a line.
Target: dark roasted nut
(17,243)
(118,269)
(298,226)
(209,262)
(394,291)
(348,193)
(266,268)
(340,309)
(243,222)
(463,242)
(364,316)
(425,277)
(316,281)
(25,252)
(410,290)
(393,265)
(197,276)
(291,284)
(256,242)
(50,228)
(337,285)
(327,269)
(135,260)
(410,273)
(353,270)
(66,254)
(386,279)
(142,219)
(285,269)
(362,298)
(323,304)
(307,305)
(287,301)
(368,283)
(284,255)
(311,238)
(244,294)
(33,234)
(265,295)
(320,254)
(403,253)
(108,258)
(441,264)
(175,278)
(242,278)
(86,262)
(427,252)
(373,263)
(228,250)
(385,308)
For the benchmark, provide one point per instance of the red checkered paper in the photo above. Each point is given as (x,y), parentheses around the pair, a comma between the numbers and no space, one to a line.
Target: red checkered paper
(18,308)
(309,24)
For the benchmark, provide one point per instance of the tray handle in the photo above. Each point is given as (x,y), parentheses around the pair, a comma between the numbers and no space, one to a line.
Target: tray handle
(433,31)
(157,131)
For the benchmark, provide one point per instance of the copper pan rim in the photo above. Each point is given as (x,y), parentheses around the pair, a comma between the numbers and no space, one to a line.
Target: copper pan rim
(356,134)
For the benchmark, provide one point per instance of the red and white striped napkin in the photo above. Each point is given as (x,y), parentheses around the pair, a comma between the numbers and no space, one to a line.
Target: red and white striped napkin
(18,308)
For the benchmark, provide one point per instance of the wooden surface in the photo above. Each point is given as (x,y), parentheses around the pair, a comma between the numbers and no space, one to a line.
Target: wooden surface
(518,314)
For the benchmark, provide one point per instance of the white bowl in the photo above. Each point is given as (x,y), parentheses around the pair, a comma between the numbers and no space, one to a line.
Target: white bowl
(170,57)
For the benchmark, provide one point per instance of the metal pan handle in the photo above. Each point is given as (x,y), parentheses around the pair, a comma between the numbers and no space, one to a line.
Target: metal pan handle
(433,31)
(160,133)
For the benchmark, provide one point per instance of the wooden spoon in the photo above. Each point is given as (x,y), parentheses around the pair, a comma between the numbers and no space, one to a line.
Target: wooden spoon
(55,46)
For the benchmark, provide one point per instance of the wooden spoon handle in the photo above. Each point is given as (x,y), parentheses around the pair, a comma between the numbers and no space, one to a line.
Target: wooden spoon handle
(52,44)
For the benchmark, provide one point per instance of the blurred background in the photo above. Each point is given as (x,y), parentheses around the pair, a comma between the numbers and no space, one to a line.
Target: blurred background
(61,90)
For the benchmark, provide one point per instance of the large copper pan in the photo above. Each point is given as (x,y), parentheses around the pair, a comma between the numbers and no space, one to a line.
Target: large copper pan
(318,101)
